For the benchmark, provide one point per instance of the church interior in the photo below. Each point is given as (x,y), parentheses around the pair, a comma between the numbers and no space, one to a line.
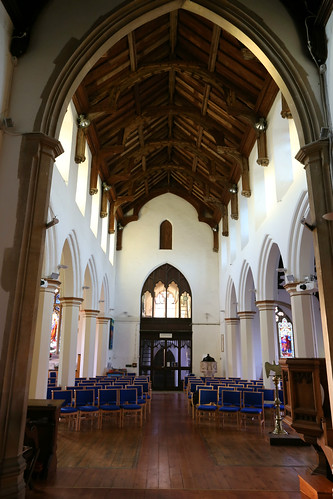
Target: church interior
(166,190)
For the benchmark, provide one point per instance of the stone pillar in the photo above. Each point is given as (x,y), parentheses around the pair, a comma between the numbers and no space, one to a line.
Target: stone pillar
(68,340)
(316,160)
(268,335)
(89,329)
(232,347)
(40,359)
(303,321)
(246,344)
(102,337)
(29,181)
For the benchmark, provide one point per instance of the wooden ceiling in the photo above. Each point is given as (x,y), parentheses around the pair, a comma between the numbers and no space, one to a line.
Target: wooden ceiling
(172,108)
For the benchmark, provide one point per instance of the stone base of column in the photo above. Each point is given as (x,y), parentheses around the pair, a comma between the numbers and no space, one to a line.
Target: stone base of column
(12,484)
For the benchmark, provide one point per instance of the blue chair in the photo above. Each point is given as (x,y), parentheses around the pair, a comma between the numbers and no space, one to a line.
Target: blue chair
(129,404)
(51,389)
(84,401)
(108,403)
(253,408)
(230,405)
(67,412)
(269,402)
(140,397)
(207,405)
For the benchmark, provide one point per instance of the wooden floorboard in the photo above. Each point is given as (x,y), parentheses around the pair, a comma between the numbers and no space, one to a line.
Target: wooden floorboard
(172,457)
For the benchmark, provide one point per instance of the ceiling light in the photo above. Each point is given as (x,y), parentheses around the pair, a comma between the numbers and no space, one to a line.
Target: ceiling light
(233,189)
(261,125)
(83,121)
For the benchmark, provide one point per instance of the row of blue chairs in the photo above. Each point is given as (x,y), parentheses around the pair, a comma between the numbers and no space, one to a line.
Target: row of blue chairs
(243,406)
(81,405)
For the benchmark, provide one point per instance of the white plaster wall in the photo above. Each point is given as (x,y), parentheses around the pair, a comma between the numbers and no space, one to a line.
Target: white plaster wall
(276,217)
(71,221)
(192,254)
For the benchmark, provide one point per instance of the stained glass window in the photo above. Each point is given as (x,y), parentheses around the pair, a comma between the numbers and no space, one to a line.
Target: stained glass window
(54,342)
(285,334)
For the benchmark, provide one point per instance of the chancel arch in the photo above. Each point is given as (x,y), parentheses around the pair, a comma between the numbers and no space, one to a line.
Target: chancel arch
(63,69)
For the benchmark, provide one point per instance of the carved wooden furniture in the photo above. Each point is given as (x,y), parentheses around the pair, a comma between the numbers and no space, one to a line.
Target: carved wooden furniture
(44,415)
(306,401)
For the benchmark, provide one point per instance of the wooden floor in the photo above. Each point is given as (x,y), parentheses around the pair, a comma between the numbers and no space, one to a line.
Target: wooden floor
(172,457)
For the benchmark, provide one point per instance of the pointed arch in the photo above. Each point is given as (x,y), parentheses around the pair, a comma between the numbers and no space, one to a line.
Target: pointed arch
(247,290)
(70,275)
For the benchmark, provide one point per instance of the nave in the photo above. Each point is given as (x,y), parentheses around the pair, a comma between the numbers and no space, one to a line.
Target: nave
(171,457)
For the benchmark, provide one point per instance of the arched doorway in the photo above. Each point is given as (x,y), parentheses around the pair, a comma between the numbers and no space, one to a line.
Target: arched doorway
(166,328)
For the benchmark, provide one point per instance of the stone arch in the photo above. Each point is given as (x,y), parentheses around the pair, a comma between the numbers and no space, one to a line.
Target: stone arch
(70,275)
(247,290)
(268,263)
(248,26)
(90,285)
(231,300)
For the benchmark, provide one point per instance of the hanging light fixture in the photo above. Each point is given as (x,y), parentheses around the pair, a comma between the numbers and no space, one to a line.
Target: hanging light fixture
(83,121)
(233,189)
(260,125)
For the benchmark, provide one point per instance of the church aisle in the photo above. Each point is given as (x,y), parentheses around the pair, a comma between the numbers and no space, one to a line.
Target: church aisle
(172,457)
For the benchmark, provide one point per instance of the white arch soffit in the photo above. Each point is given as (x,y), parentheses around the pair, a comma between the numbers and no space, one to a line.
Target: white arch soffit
(264,290)
(236,18)
(302,209)
(246,275)
(104,293)
(76,265)
(230,293)
(91,267)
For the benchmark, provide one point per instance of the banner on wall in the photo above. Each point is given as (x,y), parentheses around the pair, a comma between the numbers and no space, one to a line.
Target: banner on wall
(111,334)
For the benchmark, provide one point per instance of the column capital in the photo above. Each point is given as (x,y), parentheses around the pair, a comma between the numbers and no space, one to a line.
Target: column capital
(90,313)
(291,288)
(52,286)
(103,320)
(247,314)
(266,305)
(312,151)
(233,321)
(70,301)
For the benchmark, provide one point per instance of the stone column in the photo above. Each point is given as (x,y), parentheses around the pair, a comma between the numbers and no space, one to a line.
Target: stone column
(232,346)
(40,359)
(68,340)
(246,343)
(268,335)
(302,320)
(102,337)
(29,179)
(316,160)
(89,330)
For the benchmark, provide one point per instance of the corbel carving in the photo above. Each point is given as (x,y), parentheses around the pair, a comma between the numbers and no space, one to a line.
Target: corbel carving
(246,190)
(285,111)
(94,175)
(225,222)
(234,206)
(80,147)
(262,148)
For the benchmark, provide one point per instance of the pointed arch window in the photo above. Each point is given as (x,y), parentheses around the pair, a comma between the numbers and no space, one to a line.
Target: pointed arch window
(166,235)
(285,334)
(54,341)
(166,294)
